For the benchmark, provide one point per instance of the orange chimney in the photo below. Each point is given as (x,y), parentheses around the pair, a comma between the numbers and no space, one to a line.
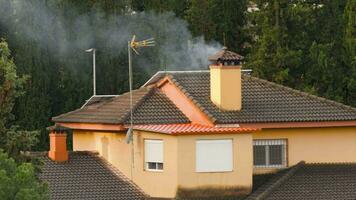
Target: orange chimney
(58,146)
(225,80)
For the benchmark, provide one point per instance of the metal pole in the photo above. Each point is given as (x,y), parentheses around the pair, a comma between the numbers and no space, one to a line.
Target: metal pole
(130,84)
(131,112)
(94,73)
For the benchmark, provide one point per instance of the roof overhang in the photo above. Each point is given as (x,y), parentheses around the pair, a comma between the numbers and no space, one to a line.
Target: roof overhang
(193,129)
(300,124)
(93,126)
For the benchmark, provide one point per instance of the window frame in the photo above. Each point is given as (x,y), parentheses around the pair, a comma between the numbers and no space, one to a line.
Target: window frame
(231,168)
(146,163)
(267,143)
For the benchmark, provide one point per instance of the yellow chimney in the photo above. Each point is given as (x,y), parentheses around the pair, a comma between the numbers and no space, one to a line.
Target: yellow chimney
(225,80)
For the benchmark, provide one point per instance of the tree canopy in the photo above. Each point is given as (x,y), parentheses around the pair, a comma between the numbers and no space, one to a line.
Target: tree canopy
(19,182)
(17,174)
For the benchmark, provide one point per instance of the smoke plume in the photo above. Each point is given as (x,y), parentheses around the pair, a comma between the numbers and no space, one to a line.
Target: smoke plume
(42,23)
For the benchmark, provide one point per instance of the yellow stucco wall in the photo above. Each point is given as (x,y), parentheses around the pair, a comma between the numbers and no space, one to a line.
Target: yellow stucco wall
(241,176)
(110,145)
(315,145)
(179,160)
(156,183)
(225,90)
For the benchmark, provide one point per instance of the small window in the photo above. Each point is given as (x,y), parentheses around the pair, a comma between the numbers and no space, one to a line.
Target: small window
(154,155)
(269,153)
(214,155)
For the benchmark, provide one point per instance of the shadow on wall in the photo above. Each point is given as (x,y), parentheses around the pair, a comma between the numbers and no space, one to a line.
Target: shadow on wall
(216,193)
(105,147)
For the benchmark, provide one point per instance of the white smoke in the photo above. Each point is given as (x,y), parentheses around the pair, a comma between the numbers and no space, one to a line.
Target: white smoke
(175,48)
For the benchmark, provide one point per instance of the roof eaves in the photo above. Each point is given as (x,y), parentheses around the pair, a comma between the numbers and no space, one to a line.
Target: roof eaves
(58,118)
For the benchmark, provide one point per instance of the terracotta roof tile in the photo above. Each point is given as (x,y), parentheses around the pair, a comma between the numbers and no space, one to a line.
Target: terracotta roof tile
(87,176)
(186,129)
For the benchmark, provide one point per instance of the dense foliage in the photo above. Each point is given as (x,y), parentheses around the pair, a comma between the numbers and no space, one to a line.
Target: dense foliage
(307,45)
(19,182)
(17,174)
(12,139)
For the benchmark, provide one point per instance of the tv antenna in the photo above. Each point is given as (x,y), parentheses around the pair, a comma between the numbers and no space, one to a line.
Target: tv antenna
(134,46)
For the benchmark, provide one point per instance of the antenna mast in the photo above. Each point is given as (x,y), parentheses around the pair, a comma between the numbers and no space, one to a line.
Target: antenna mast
(94,70)
(133,45)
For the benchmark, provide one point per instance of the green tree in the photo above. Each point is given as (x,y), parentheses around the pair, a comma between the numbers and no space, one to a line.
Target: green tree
(12,140)
(220,20)
(350,48)
(11,85)
(19,182)
(300,44)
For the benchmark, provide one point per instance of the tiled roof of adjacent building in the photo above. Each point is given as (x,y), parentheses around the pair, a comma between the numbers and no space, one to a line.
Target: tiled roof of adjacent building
(87,176)
(262,101)
(310,181)
(150,106)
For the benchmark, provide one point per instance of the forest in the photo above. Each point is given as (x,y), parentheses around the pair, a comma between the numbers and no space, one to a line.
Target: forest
(309,45)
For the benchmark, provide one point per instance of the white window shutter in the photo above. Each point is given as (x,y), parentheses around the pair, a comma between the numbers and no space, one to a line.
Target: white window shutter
(214,155)
(154,151)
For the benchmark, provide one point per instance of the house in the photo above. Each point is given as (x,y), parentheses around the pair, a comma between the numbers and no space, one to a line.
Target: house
(214,130)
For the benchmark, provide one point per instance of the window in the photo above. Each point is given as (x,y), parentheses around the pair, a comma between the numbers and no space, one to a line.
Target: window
(269,153)
(154,155)
(214,155)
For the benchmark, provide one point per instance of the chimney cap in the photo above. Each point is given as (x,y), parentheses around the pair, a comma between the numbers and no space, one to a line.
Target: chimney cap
(58,128)
(226,56)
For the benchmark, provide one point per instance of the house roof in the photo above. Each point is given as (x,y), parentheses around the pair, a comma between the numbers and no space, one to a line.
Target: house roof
(188,129)
(262,102)
(87,176)
(147,102)
(310,181)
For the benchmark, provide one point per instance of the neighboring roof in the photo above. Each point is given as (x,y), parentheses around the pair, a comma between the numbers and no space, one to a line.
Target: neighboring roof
(262,101)
(187,129)
(310,181)
(116,110)
(225,56)
(87,176)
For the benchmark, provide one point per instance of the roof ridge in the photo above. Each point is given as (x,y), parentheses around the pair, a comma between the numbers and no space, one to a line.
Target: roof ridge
(280,181)
(330,163)
(302,93)
(189,96)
